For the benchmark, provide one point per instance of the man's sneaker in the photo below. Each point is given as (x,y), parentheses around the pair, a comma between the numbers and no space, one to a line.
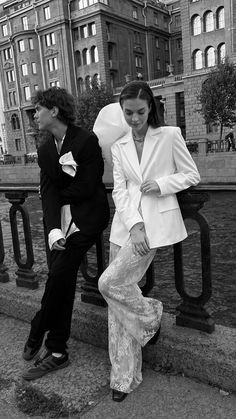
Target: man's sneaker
(45,365)
(31,348)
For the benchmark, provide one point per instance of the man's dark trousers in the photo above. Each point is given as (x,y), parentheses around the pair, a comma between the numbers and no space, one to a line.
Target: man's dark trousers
(57,302)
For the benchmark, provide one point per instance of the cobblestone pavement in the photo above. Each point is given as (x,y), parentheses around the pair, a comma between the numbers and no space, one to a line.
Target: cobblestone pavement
(220,212)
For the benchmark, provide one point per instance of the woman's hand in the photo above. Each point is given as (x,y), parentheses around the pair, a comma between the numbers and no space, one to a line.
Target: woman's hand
(149,186)
(59,244)
(139,240)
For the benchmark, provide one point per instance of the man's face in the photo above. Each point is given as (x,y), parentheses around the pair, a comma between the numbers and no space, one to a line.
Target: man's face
(44,117)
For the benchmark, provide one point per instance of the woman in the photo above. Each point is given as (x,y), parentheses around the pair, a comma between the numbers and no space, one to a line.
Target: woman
(150,165)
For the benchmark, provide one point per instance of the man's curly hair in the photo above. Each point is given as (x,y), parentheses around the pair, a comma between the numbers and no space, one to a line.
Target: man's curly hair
(59,97)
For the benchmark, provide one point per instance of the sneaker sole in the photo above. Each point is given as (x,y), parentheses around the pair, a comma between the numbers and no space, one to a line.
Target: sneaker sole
(31,376)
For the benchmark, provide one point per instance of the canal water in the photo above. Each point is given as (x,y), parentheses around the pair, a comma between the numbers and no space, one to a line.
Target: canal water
(220,212)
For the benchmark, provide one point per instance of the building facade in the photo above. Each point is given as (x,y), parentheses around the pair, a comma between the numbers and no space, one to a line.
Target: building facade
(171,44)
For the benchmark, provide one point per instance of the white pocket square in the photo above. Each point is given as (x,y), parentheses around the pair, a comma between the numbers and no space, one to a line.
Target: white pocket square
(69,166)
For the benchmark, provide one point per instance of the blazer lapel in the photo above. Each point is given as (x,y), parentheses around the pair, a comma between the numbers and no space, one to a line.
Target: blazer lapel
(150,143)
(130,154)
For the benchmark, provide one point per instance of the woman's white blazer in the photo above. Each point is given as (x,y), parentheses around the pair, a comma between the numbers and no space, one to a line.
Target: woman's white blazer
(165,159)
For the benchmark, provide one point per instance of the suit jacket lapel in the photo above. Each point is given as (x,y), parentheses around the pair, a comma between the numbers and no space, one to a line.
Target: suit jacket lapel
(149,146)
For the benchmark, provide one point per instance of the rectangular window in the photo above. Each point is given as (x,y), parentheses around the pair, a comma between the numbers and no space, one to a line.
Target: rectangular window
(179,43)
(75,34)
(166,45)
(18,144)
(27,93)
(7,53)
(52,64)
(24,69)
(4,30)
(21,45)
(166,21)
(25,23)
(177,21)
(10,76)
(86,3)
(54,83)
(92,29)
(33,68)
(31,44)
(138,61)
(47,13)
(36,87)
(50,39)
(84,31)
(158,62)
(157,42)
(135,13)
(155,19)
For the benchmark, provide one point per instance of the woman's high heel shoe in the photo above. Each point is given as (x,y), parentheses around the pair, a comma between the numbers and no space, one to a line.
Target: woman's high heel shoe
(118,396)
(154,339)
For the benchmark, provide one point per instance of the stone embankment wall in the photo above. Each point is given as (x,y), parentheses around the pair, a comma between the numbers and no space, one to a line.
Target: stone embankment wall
(213,167)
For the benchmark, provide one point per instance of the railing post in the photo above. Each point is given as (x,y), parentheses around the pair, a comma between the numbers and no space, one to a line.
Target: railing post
(26,277)
(191,311)
(4,276)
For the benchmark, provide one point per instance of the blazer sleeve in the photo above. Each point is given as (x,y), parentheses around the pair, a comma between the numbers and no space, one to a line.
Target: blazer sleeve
(50,202)
(88,175)
(128,213)
(186,173)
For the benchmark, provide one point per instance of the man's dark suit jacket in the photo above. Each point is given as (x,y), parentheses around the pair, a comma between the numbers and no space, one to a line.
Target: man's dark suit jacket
(85,192)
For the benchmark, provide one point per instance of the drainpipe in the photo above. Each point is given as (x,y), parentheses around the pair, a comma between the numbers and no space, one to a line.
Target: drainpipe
(146,39)
(17,83)
(40,46)
(171,66)
(72,47)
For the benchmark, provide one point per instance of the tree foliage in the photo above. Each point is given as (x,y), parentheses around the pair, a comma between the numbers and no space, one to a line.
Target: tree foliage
(218,96)
(91,102)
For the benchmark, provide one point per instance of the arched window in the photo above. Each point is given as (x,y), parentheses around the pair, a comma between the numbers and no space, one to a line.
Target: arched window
(220,18)
(15,122)
(196,25)
(80,84)
(208,22)
(87,82)
(210,57)
(78,58)
(197,59)
(94,54)
(86,56)
(96,80)
(221,53)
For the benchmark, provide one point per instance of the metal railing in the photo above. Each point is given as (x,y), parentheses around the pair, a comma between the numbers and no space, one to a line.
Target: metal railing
(191,311)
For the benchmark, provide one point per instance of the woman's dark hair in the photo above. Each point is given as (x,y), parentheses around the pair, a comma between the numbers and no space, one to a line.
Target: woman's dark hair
(59,97)
(139,89)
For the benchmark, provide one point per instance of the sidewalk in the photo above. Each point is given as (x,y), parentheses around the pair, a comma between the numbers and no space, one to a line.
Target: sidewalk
(82,391)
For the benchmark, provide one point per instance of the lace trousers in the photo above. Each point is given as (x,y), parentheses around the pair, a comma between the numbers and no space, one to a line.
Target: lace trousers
(132,318)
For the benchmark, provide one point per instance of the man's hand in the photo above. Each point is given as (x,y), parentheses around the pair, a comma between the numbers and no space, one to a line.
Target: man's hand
(139,240)
(149,186)
(59,245)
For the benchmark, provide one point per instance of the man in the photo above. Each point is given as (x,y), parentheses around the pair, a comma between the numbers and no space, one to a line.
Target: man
(75,210)
(230,140)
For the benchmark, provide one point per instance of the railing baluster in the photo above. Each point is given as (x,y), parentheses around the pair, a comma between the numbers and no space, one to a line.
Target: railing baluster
(4,276)
(26,277)
(191,311)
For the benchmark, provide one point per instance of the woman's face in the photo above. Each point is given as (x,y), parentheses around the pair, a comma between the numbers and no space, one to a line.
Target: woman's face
(136,113)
